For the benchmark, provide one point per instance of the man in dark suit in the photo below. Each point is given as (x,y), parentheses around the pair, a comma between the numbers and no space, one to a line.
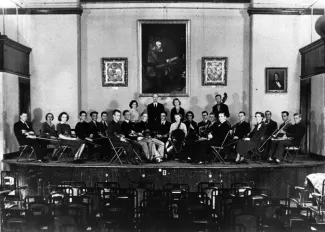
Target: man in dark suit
(103,123)
(216,136)
(204,124)
(26,136)
(242,128)
(296,132)
(271,127)
(97,136)
(253,140)
(163,128)
(115,133)
(154,110)
(276,83)
(220,107)
(128,129)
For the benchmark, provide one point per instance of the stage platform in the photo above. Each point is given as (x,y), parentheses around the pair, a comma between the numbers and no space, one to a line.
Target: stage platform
(281,179)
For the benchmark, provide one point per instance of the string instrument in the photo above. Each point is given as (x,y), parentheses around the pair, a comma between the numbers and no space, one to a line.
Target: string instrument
(121,136)
(224,98)
(274,135)
(192,134)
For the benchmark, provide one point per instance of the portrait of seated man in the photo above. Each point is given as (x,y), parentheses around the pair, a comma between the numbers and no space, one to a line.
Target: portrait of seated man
(163,58)
(276,82)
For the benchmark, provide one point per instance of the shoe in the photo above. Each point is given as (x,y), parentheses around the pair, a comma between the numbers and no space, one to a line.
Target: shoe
(158,160)
(39,161)
(201,162)
(276,161)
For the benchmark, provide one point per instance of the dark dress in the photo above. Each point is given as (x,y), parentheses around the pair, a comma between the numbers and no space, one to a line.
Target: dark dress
(255,139)
(48,130)
(174,111)
(65,129)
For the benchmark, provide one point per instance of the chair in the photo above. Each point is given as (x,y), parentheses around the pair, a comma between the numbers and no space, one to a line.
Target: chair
(14,220)
(65,151)
(216,150)
(291,153)
(118,152)
(25,148)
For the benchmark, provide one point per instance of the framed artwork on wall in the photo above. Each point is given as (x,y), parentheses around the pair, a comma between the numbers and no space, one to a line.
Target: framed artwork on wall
(114,72)
(276,80)
(164,57)
(214,71)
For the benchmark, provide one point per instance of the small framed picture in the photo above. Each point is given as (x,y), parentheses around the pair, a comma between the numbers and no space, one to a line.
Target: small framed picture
(214,71)
(114,72)
(276,80)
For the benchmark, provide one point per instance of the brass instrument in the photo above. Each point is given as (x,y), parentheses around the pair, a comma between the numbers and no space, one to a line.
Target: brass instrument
(274,134)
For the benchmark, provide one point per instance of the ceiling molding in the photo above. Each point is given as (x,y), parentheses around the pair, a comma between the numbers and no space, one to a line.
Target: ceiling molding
(42,11)
(285,11)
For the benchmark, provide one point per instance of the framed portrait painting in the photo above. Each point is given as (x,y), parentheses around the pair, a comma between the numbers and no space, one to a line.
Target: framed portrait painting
(114,72)
(214,71)
(163,48)
(276,80)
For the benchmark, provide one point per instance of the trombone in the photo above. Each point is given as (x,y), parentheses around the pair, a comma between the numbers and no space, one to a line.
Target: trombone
(274,134)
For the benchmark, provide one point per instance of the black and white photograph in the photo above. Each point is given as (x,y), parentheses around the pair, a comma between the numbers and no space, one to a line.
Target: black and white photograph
(163,47)
(162,116)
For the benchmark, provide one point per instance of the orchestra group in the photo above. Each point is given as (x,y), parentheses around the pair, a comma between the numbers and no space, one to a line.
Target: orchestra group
(148,136)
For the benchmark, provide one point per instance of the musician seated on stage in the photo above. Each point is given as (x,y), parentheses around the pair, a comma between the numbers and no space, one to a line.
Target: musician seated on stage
(64,132)
(192,127)
(156,147)
(271,127)
(213,122)
(26,136)
(177,134)
(48,132)
(204,124)
(164,127)
(253,140)
(115,133)
(241,128)
(103,123)
(128,128)
(97,137)
(286,123)
(292,137)
(217,134)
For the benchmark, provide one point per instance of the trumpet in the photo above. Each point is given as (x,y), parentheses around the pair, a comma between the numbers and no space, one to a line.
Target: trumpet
(274,134)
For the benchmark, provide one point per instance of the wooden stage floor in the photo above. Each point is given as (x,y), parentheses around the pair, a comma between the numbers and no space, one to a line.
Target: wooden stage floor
(301,161)
(281,179)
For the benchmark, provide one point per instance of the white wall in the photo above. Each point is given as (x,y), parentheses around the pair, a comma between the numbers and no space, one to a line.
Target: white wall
(214,32)
(9,108)
(276,40)
(54,61)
